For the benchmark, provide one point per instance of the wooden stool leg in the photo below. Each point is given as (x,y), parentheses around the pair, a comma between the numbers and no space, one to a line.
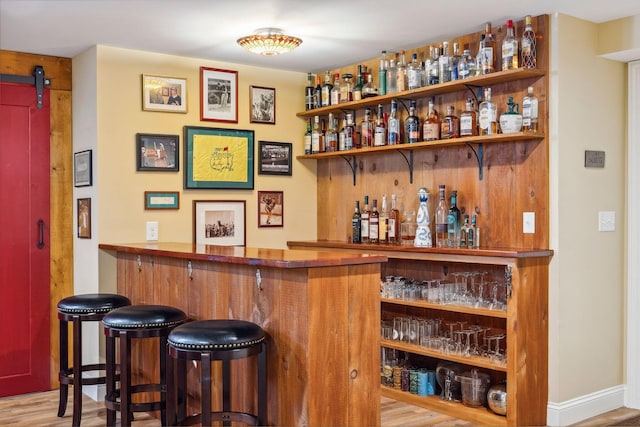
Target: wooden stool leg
(163,379)
(171,398)
(262,386)
(182,389)
(125,378)
(77,370)
(64,365)
(226,389)
(110,353)
(205,379)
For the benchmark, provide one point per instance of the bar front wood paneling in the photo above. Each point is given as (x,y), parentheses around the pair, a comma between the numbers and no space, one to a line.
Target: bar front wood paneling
(321,311)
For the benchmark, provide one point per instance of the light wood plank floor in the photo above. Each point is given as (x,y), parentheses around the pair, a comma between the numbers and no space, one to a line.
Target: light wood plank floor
(40,409)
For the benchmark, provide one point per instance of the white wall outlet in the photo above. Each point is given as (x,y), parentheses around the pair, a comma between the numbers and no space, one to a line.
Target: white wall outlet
(606,221)
(528,222)
(152,230)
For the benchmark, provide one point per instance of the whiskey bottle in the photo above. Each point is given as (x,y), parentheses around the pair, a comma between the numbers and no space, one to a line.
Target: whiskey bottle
(530,111)
(401,73)
(469,120)
(382,74)
(412,125)
(331,136)
(488,51)
(346,88)
(369,89)
(431,126)
(393,225)
(307,138)
(380,132)
(453,222)
(374,223)
(335,90)
(356,223)
(528,44)
(316,135)
(364,224)
(383,228)
(488,115)
(325,91)
(309,100)
(444,64)
(441,218)
(342,138)
(394,125)
(509,49)
(349,133)
(366,130)
(450,126)
(414,80)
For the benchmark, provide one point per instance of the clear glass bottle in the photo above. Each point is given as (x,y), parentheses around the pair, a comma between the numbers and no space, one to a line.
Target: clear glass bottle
(412,125)
(331,137)
(414,80)
(383,227)
(346,88)
(401,73)
(431,125)
(364,224)
(488,51)
(307,138)
(476,235)
(392,81)
(453,222)
(349,133)
(356,224)
(382,74)
(444,64)
(335,91)
(455,60)
(450,126)
(530,111)
(480,56)
(366,130)
(488,117)
(374,223)
(471,233)
(309,100)
(393,225)
(380,131)
(326,90)
(528,45)
(466,65)
(509,49)
(469,120)
(464,232)
(442,211)
(316,135)
(393,125)
(434,67)
(342,136)
(369,89)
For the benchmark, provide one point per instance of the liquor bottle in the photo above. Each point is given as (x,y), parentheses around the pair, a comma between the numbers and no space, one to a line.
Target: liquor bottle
(441,218)
(366,130)
(383,228)
(455,60)
(349,133)
(316,135)
(309,100)
(393,124)
(307,138)
(331,137)
(346,88)
(468,120)
(488,115)
(471,233)
(414,80)
(401,73)
(412,125)
(356,223)
(434,67)
(464,232)
(374,223)
(466,65)
(509,49)
(380,131)
(476,233)
(357,88)
(530,111)
(382,74)
(393,226)
(488,51)
(369,89)
(511,120)
(335,91)
(453,222)
(444,64)
(392,81)
(528,44)
(480,55)
(317,93)
(325,91)
(450,126)
(364,224)
(431,126)
(323,136)
(342,138)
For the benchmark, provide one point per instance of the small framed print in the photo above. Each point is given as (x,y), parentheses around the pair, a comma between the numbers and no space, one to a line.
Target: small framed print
(157,152)
(275,158)
(263,105)
(84,218)
(82,169)
(270,209)
(219,222)
(218,95)
(168,94)
(161,200)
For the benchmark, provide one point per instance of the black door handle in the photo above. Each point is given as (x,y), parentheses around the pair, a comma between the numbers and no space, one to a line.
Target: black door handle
(40,234)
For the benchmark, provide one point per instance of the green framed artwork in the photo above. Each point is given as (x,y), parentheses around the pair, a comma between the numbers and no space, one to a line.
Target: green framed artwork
(218,158)
(161,200)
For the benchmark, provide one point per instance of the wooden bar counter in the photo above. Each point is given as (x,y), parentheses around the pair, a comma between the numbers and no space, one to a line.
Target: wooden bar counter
(321,311)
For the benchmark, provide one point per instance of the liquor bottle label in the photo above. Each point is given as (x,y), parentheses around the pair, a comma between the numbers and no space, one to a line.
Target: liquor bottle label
(466,123)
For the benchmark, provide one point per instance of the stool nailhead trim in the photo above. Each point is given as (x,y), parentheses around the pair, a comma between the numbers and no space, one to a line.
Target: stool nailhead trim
(85,310)
(216,346)
(142,325)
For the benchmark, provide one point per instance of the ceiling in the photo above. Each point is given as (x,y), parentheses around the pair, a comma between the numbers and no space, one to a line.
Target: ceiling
(334,33)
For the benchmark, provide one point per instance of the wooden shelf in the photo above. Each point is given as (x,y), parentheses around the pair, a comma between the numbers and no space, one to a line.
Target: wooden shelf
(450,307)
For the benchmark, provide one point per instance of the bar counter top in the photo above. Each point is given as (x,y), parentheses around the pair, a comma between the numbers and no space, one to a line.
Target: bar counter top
(279,258)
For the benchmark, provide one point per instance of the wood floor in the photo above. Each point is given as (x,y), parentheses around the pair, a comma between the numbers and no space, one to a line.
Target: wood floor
(40,409)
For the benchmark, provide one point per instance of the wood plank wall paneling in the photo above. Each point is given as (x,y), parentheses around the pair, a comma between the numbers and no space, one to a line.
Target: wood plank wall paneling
(515,174)
(61,219)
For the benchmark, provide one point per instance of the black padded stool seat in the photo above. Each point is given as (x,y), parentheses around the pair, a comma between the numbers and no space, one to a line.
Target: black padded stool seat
(127,323)
(208,341)
(77,309)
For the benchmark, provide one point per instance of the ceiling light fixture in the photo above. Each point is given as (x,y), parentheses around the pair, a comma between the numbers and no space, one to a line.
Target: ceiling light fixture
(269,42)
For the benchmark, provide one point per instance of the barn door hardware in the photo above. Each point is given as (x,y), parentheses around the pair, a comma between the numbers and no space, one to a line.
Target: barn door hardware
(37,79)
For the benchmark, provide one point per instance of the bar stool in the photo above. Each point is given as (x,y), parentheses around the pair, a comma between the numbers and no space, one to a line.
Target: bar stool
(208,341)
(128,323)
(78,309)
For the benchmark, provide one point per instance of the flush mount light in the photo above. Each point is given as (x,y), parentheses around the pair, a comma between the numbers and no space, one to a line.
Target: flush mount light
(269,42)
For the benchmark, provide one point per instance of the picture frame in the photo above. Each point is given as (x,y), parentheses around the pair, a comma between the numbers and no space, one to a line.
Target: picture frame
(270,209)
(166,94)
(218,95)
(219,222)
(161,200)
(262,102)
(84,218)
(218,158)
(158,153)
(274,158)
(83,168)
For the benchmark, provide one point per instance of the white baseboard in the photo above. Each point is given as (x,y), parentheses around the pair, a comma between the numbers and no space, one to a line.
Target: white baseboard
(581,408)
(96,392)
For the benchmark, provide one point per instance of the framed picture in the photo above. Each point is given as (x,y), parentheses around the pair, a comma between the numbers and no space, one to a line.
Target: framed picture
(218,95)
(157,152)
(84,218)
(82,169)
(218,158)
(219,222)
(263,105)
(161,200)
(270,209)
(161,93)
(275,158)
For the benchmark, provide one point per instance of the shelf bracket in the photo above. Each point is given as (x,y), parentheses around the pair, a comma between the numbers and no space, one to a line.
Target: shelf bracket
(409,163)
(479,155)
(477,97)
(351,161)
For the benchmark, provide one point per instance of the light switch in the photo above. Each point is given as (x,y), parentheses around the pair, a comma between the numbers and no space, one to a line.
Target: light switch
(606,221)
(152,230)
(528,222)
